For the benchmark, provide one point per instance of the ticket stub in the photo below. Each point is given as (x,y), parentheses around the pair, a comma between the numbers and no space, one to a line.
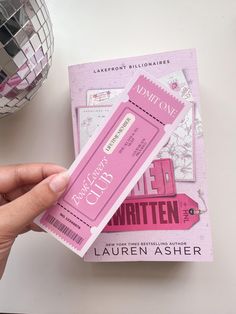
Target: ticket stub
(141,121)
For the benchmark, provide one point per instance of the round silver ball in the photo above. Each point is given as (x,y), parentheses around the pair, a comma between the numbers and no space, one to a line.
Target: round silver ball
(26,47)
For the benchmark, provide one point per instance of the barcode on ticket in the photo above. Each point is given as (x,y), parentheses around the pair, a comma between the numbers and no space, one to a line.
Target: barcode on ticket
(64,229)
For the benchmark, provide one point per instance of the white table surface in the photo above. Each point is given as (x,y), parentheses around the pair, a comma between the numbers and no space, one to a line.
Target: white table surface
(42,276)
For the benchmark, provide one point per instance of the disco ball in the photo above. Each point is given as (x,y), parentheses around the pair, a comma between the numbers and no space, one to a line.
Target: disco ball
(26,47)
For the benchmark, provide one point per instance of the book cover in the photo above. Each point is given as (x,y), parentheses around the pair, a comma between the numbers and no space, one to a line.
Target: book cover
(165,217)
(142,120)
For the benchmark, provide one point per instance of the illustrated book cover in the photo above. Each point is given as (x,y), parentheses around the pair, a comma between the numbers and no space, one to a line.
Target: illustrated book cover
(165,217)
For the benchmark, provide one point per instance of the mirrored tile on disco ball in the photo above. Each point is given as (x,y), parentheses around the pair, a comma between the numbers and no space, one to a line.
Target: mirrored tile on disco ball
(22,95)
(41,35)
(39,55)
(4,110)
(32,93)
(37,81)
(20,59)
(22,85)
(12,48)
(15,80)
(40,3)
(11,94)
(32,63)
(50,62)
(12,102)
(23,72)
(2,18)
(38,69)
(35,41)
(28,50)
(49,21)
(40,17)
(3,101)
(44,62)
(21,103)
(52,44)
(3,76)
(35,5)
(50,28)
(50,53)
(12,25)
(4,57)
(35,23)
(29,10)
(44,73)
(45,15)
(46,9)
(5,89)
(48,42)
(5,35)
(30,78)
(43,2)
(21,16)
(6,8)
(16,3)
(45,47)
(10,68)
(46,29)
(21,38)
(29,29)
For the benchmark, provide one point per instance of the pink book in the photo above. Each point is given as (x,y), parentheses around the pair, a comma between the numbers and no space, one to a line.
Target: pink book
(165,216)
(141,121)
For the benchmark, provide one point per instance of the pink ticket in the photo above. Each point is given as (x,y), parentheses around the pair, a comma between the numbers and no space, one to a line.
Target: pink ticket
(114,159)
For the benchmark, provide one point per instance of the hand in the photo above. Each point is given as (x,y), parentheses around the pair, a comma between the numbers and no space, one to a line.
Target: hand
(25,192)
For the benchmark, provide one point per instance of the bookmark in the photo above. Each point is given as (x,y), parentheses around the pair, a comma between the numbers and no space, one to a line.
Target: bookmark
(114,159)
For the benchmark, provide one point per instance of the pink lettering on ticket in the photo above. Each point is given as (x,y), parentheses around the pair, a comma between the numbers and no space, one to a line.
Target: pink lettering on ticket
(141,121)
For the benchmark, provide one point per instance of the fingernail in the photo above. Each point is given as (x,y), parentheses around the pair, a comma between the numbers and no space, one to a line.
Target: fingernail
(59,182)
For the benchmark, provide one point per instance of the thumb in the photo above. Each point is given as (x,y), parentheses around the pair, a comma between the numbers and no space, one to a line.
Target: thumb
(24,209)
